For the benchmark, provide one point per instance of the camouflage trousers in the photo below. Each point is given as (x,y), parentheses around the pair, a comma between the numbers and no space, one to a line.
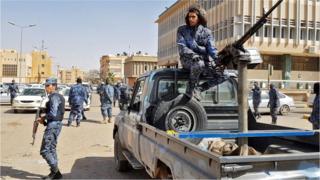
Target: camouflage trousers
(49,144)
(197,68)
(106,110)
(75,113)
(274,113)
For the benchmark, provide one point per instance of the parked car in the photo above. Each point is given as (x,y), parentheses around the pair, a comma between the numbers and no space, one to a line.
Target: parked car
(29,99)
(3,88)
(65,93)
(4,98)
(286,103)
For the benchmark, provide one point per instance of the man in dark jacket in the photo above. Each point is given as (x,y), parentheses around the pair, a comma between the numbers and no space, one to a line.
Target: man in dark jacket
(274,103)
(13,90)
(314,118)
(53,121)
(197,52)
(77,96)
(256,99)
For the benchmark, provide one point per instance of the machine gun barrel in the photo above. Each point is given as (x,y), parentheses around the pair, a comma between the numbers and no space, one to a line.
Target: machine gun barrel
(255,27)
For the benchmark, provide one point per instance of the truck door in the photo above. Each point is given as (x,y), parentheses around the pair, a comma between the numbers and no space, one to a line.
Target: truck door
(131,132)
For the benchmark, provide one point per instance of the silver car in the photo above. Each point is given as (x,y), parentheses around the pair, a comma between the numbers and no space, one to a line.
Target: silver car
(286,103)
(29,99)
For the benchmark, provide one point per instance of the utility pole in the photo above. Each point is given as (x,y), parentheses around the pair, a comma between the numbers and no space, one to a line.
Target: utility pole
(20,54)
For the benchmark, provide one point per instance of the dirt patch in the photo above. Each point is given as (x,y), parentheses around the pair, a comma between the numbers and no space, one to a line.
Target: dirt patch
(14,124)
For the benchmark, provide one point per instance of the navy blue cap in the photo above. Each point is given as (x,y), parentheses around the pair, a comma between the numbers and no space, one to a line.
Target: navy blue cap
(50,81)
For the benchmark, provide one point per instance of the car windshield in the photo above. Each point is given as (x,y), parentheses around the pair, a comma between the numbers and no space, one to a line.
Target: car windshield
(33,92)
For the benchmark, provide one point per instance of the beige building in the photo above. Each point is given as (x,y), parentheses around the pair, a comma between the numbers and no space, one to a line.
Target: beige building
(136,65)
(113,64)
(289,40)
(69,76)
(11,69)
(41,66)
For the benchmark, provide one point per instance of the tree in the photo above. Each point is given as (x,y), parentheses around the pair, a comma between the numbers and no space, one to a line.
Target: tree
(111,77)
(92,76)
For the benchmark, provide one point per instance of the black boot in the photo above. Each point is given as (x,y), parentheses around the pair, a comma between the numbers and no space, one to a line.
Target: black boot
(57,175)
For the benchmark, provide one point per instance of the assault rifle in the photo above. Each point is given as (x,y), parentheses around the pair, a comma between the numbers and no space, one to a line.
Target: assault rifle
(226,55)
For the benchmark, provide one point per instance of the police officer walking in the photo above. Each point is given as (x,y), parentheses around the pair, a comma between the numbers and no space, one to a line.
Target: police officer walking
(274,103)
(116,94)
(77,96)
(256,99)
(314,118)
(53,121)
(13,90)
(197,52)
(124,96)
(106,97)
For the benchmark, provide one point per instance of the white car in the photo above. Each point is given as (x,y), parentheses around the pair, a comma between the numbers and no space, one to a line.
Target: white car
(286,103)
(65,93)
(4,98)
(29,99)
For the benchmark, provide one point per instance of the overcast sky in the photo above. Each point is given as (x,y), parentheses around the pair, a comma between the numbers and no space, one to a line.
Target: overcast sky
(77,33)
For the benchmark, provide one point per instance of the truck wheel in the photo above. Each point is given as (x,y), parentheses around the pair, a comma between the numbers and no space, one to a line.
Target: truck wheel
(122,164)
(181,114)
(284,110)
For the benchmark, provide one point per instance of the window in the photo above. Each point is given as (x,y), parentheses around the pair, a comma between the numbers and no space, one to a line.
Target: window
(9,70)
(42,65)
(284,33)
(303,34)
(42,73)
(137,95)
(43,56)
(292,33)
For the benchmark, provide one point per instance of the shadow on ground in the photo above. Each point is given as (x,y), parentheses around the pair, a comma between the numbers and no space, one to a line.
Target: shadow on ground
(10,172)
(101,168)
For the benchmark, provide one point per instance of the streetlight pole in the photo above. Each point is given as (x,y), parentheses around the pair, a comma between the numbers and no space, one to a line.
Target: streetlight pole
(21,35)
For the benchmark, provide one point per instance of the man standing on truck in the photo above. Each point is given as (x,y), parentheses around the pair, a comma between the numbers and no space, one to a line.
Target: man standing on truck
(77,96)
(314,118)
(53,121)
(256,99)
(274,103)
(13,90)
(106,97)
(197,52)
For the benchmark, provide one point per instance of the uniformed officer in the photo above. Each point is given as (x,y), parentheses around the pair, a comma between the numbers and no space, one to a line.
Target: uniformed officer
(197,51)
(274,103)
(53,121)
(314,118)
(106,97)
(256,99)
(13,90)
(116,96)
(77,96)
(124,96)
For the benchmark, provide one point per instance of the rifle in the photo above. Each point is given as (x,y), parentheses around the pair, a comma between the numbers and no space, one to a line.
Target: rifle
(35,125)
(225,56)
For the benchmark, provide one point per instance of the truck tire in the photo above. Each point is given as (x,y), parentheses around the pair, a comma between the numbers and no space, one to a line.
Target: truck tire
(181,114)
(122,164)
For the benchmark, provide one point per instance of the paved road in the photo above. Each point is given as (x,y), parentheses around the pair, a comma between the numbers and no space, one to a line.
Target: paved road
(84,153)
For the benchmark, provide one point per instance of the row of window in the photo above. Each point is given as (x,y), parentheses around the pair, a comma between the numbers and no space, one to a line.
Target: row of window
(9,70)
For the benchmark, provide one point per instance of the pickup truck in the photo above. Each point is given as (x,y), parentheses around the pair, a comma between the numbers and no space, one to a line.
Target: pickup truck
(138,144)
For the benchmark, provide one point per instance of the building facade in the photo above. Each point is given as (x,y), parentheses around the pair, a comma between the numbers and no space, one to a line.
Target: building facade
(41,66)
(69,76)
(11,68)
(112,64)
(289,40)
(137,65)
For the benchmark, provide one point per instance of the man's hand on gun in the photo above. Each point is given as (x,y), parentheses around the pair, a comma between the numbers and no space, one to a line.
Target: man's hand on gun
(41,120)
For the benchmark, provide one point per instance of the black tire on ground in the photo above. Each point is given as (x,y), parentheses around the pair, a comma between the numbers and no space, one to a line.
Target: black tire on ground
(15,111)
(122,164)
(181,114)
(284,110)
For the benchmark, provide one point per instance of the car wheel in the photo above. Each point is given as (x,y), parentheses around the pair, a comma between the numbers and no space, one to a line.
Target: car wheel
(15,111)
(284,110)
(122,164)
(181,114)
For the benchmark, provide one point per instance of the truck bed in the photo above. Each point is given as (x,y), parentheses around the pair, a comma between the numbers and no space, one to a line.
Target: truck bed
(186,160)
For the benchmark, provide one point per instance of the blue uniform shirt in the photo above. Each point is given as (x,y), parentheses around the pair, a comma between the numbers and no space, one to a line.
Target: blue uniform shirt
(78,95)
(314,118)
(55,107)
(194,41)
(107,93)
